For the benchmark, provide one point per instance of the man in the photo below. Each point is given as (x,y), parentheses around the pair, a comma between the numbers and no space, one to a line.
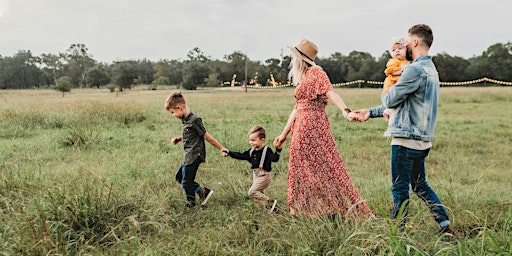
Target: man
(411,127)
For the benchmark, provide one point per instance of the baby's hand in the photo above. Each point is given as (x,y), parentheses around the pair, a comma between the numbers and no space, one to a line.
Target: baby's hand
(386,117)
(175,140)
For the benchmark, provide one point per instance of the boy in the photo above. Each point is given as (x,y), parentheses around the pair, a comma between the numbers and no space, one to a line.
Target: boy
(193,136)
(260,157)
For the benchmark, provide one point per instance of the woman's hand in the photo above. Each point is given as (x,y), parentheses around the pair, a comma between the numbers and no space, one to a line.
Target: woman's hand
(279,140)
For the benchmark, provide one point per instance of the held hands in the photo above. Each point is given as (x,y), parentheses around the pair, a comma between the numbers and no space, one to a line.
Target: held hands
(360,115)
(278,141)
(224,152)
(176,140)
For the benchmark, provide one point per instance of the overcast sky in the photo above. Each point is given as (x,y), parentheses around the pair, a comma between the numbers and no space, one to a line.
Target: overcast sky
(262,29)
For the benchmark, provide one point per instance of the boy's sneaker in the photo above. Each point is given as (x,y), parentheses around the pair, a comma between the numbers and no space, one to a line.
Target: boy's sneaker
(273,207)
(191,206)
(204,195)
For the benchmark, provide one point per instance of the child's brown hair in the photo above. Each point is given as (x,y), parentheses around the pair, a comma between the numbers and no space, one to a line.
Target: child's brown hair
(258,130)
(173,100)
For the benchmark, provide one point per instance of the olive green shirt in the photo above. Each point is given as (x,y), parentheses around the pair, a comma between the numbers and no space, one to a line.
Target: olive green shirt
(193,139)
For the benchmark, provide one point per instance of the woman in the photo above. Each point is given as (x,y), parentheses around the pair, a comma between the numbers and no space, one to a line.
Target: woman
(318,181)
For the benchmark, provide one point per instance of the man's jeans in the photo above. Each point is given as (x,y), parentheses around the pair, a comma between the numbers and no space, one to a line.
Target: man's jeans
(186,176)
(408,167)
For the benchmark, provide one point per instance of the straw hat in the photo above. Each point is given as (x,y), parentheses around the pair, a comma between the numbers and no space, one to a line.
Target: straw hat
(307,49)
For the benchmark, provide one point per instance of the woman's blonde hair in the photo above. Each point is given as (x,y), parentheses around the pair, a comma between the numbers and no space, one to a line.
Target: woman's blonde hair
(297,68)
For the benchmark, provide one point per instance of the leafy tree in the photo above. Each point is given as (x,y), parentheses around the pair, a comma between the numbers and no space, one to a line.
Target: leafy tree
(451,68)
(124,74)
(98,76)
(52,65)
(63,85)
(497,61)
(175,72)
(20,71)
(332,66)
(222,69)
(274,67)
(197,55)
(162,73)
(212,80)
(144,71)
(358,65)
(237,61)
(78,62)
(194,73)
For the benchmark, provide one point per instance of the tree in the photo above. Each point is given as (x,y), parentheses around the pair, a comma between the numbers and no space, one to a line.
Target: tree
(52,65)
(175,72)
(124,74)
(144,71)
(358,65)
(497,61)
(20,71)
(451,68)
(78,62)
(194,73)
(212,80)
(63,85)
(333,67)
(197,55)
(162,73)
(97,76)
(237,62)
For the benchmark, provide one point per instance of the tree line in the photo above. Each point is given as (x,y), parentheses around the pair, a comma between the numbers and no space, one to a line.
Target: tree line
(76,68)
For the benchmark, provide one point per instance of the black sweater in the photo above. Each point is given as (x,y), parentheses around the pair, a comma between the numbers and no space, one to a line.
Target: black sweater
(255,157)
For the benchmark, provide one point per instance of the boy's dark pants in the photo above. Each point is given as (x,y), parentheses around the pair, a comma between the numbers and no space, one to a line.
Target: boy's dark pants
(186,176)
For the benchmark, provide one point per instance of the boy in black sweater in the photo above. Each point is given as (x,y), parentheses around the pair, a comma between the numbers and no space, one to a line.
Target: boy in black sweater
(260,157)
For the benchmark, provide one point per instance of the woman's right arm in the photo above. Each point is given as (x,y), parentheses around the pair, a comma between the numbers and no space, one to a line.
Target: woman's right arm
(278,142)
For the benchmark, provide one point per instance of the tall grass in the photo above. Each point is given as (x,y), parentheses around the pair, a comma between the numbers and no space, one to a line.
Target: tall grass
(92,173)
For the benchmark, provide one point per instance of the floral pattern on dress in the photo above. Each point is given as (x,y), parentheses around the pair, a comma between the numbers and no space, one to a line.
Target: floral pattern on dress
(318,181)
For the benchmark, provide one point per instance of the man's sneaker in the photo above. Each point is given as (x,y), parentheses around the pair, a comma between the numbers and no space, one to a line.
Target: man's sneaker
(273,208)
(449,231)
(204,195)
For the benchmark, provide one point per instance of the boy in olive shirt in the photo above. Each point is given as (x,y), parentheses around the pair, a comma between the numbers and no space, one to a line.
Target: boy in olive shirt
(193,136)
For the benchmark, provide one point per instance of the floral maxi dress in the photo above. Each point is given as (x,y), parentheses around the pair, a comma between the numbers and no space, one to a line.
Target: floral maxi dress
(318,181)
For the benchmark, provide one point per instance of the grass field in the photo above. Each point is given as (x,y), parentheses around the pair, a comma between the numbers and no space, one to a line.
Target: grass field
(92,173)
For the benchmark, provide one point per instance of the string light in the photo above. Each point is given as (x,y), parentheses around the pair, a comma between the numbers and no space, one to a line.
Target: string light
(481,80)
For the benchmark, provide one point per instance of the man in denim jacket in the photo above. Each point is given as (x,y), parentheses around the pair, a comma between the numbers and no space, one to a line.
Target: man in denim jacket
(414,99)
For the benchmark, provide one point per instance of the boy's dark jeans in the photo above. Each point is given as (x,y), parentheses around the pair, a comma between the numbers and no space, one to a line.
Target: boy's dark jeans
(186,176)
(408,169)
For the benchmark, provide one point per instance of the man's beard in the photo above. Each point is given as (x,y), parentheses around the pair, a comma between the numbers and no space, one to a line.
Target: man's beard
(408,55)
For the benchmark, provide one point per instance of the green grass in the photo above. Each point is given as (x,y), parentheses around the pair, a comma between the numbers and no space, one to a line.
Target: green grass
(92,173)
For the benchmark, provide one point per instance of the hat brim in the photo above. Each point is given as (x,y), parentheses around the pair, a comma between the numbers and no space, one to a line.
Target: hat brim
(304,57)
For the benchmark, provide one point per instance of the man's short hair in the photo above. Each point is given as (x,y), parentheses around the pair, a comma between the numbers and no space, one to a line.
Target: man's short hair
(424,32)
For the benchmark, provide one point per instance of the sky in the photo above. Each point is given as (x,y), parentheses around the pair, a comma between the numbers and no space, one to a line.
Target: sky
(115,30)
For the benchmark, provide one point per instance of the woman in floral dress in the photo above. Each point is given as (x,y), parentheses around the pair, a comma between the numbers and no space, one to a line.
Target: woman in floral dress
(318,181)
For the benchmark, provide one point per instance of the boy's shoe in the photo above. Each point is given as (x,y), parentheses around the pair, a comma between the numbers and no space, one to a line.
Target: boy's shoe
(204,195)
(191,206)
(449,231)
(273,207)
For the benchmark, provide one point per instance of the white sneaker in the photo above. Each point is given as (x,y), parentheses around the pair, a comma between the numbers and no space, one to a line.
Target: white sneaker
(204,195)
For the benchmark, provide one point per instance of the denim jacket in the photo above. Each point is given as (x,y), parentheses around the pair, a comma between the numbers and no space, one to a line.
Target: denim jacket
(414,99)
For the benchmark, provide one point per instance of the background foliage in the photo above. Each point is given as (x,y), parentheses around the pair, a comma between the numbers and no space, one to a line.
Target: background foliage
(23,70)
